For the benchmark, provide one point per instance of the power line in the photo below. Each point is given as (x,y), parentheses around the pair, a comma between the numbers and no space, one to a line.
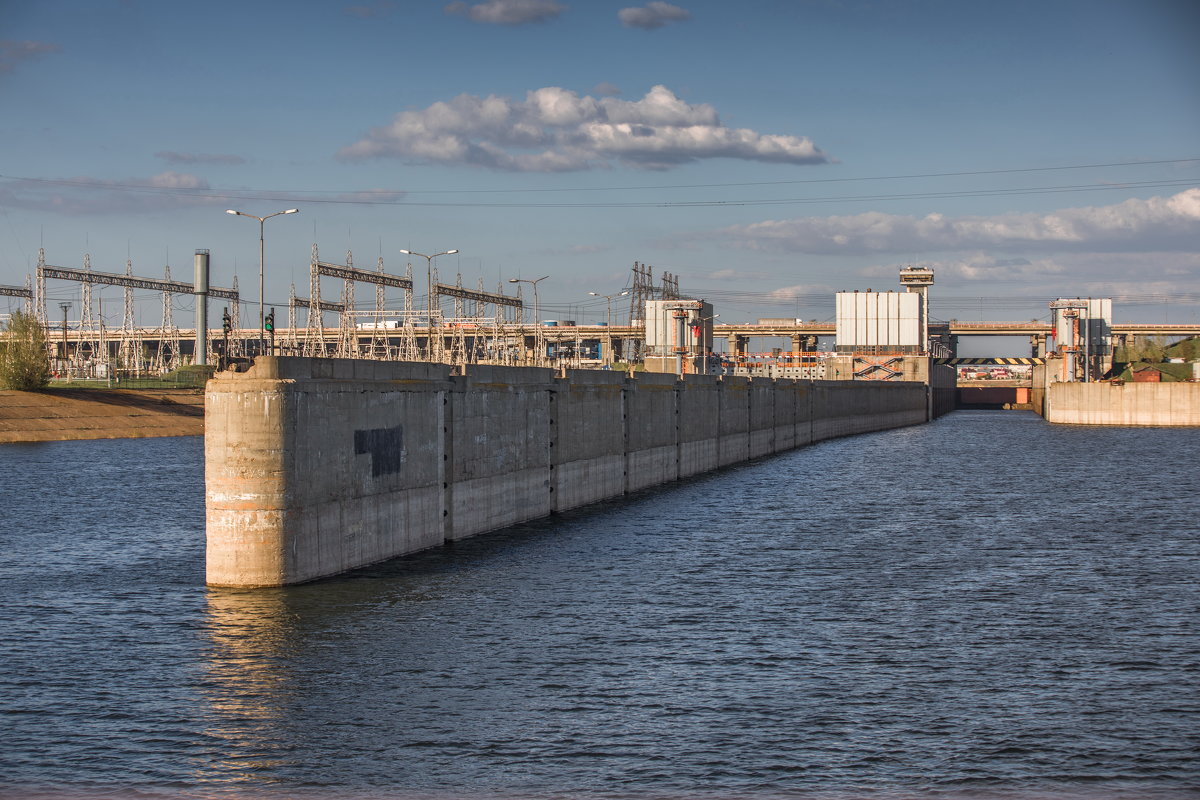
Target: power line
(1098,187)
(253,194)
(93,184)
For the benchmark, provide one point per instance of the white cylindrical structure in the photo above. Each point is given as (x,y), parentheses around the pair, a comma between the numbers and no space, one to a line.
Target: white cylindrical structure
(201,290)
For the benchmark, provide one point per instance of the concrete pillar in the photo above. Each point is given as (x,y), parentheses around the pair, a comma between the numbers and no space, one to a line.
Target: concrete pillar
(1118,342)
(201,289)
(1037,345)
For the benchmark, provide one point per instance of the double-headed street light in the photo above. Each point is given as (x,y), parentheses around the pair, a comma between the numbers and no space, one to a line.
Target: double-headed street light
(429,283)
(609,297)
(537,328)
(261,222)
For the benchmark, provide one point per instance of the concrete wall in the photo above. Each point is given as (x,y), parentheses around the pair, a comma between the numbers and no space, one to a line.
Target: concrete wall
(1173,404)
(317,466)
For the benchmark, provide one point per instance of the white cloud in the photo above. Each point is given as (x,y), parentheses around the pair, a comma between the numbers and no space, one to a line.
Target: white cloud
(654,15)
(172,157)
(1159,222)
(508,12)
(13,52)
(556,130)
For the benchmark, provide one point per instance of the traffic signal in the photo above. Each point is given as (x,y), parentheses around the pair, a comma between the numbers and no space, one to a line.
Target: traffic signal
(226,322)
(269,323)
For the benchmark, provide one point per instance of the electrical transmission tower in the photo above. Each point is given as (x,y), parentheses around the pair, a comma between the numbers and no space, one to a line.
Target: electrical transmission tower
(129,352)
(168,356)
(408,338)
(347,344)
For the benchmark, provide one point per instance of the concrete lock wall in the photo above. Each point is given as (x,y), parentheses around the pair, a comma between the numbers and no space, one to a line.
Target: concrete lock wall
(317,466)
(1169,404)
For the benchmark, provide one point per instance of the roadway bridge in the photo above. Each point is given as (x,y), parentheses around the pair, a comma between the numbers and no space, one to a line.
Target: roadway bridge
(739,335)
(568,342)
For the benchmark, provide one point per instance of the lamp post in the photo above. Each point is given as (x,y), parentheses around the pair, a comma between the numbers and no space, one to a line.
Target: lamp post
(429,301)
(261,223)
(537,328)
(700,344)
(608,359)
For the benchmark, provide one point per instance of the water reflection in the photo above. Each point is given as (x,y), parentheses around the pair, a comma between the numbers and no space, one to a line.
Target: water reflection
(252,643)
(795,628)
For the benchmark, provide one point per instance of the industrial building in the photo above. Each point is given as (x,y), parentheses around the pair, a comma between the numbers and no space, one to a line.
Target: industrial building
(679,337)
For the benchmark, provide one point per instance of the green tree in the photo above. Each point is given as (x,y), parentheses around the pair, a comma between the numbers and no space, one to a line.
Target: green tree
(24,361)
(1152,349)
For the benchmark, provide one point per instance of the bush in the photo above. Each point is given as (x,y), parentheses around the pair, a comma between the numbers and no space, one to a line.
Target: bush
(24,361)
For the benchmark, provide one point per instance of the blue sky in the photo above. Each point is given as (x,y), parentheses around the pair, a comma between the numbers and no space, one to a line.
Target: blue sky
(768,153)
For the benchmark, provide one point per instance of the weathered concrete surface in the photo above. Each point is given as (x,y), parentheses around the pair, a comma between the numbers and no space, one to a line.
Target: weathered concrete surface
(1135,404)
(317,466)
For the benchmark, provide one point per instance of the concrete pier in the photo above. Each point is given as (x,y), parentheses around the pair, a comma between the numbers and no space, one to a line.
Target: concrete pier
(1136,404)
(317,466)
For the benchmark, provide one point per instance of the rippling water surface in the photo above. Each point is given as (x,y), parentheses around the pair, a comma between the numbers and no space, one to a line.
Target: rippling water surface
(983,607)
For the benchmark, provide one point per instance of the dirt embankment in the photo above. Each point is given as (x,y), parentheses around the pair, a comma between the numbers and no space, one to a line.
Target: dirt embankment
(56,415)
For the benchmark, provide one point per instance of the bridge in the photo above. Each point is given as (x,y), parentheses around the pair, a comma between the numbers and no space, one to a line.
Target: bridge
(613,339)
(739,334)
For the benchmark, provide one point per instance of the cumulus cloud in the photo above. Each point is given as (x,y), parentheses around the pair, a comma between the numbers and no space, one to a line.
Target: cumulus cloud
(508,12)
(607,89)
(171,157)
(13,52)
(654,15)
(1163,222)
(556,130)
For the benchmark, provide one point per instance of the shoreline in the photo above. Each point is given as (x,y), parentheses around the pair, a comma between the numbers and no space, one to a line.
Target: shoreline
(68,414)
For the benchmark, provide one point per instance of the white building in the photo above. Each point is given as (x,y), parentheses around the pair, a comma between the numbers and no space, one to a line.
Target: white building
(880,323)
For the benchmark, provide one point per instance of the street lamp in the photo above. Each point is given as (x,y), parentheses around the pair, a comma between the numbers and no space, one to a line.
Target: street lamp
(429,283)
(261,222)
(537,329)
(608,332)
(700,344)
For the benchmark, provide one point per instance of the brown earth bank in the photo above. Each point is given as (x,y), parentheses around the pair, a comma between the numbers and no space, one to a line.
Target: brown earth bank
(56,415)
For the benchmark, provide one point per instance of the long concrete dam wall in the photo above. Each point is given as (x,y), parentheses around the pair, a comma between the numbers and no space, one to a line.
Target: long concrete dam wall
(317,466)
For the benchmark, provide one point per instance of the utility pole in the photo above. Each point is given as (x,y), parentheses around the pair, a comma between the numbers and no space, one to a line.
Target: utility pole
(65,308)
(226,326)
(608,359)
(539,350)
(431,353)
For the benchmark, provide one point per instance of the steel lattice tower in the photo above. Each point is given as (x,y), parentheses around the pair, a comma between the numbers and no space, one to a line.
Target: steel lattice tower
(315,343)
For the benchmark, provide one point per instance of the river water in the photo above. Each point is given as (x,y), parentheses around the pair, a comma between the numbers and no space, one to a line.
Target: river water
(984,607)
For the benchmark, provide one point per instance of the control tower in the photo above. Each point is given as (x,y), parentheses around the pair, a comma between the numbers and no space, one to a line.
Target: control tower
(919,279)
